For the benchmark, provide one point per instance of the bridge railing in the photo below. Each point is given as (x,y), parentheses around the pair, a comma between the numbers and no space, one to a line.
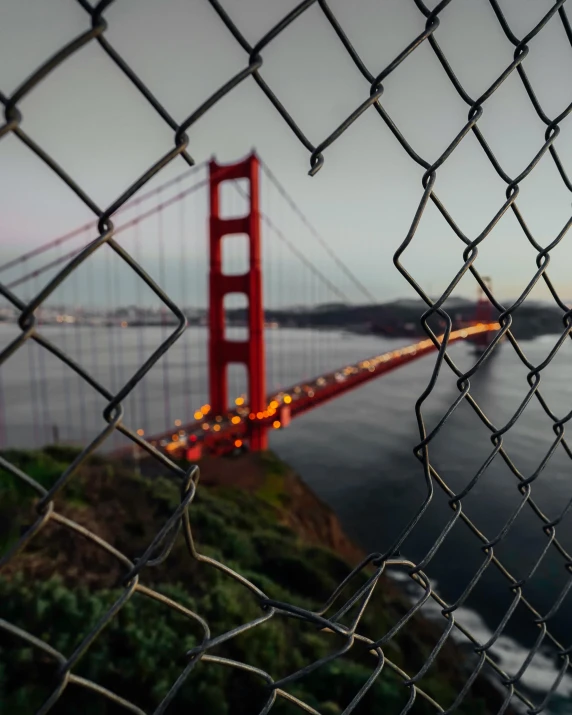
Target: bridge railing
(225,432)
(436,25)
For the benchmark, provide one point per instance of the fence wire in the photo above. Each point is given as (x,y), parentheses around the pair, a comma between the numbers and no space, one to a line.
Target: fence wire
(331,617)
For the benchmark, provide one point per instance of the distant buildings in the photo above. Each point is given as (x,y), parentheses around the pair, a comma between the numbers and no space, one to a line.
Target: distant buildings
(125,316)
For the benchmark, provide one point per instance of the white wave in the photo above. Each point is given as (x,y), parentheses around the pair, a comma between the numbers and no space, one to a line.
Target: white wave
(539,675)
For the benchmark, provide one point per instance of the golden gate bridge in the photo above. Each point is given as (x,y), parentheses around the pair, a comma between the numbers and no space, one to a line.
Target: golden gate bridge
(210,269)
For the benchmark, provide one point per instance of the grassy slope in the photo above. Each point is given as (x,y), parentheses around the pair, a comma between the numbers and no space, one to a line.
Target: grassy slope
(59,586)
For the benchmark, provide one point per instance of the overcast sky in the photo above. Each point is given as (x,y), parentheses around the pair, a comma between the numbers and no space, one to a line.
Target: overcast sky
(95,123)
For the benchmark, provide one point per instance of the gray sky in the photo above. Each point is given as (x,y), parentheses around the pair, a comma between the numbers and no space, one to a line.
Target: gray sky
(91,119)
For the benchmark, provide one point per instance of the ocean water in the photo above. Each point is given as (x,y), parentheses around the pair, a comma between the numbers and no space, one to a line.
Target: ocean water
(356,453)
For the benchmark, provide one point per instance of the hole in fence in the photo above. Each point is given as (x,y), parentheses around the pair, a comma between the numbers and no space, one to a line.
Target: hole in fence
(234,198)
(235,254)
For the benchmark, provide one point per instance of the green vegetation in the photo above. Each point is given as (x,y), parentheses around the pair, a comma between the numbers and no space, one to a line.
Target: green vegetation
(272,491)
(61,585)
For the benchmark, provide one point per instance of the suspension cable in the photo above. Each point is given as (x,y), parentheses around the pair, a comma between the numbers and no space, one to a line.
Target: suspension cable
(307,262)
(119,229)
(325,245)
(78,231)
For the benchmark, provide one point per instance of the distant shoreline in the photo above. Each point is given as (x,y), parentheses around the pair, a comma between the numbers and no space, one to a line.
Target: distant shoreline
(400,319)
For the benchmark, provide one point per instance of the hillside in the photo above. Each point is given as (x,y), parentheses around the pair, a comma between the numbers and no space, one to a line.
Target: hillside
(256,516)
(401,318)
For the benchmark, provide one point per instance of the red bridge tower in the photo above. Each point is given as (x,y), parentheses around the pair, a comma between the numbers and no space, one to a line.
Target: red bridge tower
(249,352)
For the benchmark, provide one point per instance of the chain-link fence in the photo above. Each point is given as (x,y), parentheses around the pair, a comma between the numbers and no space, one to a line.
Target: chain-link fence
(341,618)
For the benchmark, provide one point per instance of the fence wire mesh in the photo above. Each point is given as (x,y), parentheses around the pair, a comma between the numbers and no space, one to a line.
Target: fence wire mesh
(333,616)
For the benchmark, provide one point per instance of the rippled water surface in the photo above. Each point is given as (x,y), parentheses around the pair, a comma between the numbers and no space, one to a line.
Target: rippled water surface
(356,452)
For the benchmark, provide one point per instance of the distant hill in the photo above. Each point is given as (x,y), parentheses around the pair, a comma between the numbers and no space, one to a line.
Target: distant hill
(401,318)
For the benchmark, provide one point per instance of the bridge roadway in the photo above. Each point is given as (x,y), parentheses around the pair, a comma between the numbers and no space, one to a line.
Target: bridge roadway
(223,433)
